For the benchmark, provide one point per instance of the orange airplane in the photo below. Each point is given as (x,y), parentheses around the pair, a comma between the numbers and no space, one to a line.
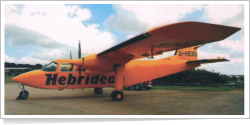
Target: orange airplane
(118,66)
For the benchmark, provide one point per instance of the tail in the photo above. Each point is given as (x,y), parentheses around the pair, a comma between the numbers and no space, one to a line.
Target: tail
(190,53)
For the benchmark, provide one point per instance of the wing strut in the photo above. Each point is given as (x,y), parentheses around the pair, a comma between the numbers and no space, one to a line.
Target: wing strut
(152,52)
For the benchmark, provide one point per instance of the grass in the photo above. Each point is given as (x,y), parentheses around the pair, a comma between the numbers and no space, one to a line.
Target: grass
(8,79)
(195,88)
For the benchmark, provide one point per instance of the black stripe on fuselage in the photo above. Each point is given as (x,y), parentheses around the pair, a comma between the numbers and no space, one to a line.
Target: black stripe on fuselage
(126,43)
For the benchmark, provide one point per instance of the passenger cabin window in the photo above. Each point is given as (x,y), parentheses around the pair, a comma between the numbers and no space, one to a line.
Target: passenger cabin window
(50,67)
(66,67)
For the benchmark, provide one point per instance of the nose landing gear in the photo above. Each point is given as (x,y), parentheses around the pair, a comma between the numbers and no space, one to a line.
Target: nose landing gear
(23,94)
(98,91)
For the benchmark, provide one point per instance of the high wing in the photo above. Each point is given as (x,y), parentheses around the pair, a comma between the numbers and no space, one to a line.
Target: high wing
(169,37)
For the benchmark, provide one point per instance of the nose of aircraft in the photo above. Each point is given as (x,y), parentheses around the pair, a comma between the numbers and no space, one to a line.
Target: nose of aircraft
(19,78)
(26,78)
(34,78)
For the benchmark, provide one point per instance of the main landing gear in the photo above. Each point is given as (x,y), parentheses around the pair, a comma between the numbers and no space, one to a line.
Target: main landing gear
(23,94)
(117,95)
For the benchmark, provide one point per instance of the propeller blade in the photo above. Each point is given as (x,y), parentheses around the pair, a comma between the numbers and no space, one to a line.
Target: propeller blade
(79,50)
(80,71)
(70,55)
(79,56)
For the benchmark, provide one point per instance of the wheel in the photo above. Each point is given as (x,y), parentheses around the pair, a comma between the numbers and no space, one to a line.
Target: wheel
(147,88)
(138,86)
(127,88)
(23,95)
(98,91)
(117,95)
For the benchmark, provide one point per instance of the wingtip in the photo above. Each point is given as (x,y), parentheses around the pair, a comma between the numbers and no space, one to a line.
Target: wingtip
(223,59)
(238,28)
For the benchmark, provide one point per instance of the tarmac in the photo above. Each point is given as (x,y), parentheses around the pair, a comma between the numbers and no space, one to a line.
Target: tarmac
(145,102)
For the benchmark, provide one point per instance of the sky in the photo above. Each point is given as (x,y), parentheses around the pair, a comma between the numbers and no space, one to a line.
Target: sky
(40,33)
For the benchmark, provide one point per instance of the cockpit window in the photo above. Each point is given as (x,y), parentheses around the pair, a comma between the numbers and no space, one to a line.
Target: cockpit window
(50,67)
(66,67)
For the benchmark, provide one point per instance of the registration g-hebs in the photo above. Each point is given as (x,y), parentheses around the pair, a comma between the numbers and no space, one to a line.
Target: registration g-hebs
(188,53)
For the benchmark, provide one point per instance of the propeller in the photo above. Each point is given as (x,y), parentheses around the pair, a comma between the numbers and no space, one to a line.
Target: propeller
(70,55)
(80,61)
(79,56)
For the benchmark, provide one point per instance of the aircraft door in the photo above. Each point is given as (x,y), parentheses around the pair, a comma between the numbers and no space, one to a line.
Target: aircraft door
(66,77)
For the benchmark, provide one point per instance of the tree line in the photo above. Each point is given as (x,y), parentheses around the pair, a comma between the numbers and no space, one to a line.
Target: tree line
(198,76)
(36,66)
(15,72)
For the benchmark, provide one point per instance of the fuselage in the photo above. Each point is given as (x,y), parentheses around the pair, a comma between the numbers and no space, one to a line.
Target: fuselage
(61,74)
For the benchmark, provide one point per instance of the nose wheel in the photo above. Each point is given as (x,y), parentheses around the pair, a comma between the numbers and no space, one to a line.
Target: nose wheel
(98,91)
(23,94)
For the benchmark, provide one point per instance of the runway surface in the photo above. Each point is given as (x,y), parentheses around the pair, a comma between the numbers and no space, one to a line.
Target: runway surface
(145,102)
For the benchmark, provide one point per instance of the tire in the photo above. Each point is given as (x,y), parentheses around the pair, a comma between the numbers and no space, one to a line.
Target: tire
(117,96)
(138,86)
(23,94)
(98,91)
(147,88)
(126,88)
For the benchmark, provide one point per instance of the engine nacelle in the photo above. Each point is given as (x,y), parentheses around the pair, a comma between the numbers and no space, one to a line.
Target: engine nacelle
(93,63)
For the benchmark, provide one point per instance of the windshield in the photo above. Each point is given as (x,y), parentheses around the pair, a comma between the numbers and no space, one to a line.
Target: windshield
(50,67)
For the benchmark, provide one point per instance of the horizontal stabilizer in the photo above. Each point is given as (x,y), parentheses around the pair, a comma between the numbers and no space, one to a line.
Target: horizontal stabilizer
(208,60)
